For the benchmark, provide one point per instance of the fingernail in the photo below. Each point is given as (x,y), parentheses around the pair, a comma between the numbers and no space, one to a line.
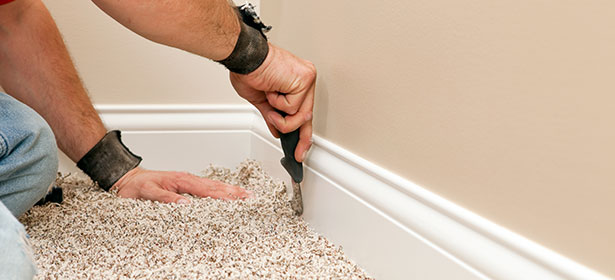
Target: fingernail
(307,150)
(183,201)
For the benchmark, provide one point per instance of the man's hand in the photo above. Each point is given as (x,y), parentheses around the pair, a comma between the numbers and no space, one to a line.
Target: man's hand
(166,186)
(286,83)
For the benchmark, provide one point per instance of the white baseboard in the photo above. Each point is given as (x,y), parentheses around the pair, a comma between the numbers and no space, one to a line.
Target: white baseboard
(392,227)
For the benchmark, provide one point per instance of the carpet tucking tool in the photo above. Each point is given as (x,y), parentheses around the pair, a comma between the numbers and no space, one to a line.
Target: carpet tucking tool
(293,167)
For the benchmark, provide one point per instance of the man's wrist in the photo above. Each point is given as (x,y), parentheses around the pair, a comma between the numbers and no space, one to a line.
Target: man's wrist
(251,48)
(109,160)
(249,53)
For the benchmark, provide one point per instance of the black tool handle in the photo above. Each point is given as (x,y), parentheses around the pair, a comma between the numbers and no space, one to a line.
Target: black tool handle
(289,144)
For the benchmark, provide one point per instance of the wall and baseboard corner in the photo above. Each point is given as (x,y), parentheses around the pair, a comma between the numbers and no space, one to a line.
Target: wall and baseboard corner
(390,226)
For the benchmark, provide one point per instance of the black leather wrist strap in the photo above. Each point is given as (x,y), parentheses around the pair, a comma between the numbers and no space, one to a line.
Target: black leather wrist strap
(251,48)
(108,160)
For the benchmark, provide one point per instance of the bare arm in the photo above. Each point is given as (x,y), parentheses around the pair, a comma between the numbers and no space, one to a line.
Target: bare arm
(208,28)
(36,69)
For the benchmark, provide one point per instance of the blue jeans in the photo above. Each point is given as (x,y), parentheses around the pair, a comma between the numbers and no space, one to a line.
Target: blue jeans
(28,166)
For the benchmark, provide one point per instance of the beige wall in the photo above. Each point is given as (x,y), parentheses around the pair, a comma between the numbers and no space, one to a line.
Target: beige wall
(504,107)
(120,67)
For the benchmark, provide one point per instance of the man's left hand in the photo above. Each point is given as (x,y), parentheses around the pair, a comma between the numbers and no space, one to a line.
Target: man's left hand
(166,186)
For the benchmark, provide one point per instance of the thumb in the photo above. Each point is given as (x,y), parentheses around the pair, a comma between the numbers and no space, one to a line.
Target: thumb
(158,194)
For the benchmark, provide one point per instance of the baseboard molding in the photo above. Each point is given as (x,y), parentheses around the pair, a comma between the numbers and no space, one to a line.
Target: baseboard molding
(389,225)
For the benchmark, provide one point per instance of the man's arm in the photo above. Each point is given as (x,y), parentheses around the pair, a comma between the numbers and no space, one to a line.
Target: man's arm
(36,69)
(210,28)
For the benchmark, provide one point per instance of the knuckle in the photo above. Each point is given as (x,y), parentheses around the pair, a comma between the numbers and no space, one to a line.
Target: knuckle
(285,129)
(311,68)
(310,74)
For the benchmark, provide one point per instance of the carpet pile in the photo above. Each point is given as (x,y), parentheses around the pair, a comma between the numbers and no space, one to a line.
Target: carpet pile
(97,235)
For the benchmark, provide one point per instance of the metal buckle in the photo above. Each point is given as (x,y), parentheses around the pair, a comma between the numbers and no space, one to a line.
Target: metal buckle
(251,18)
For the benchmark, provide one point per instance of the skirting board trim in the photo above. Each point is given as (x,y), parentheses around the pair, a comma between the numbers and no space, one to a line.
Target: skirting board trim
(485,248)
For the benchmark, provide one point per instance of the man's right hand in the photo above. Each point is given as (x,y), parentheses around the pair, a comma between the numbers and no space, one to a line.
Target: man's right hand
(286,83)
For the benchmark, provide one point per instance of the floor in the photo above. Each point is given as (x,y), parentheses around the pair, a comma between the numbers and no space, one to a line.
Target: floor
(97,235)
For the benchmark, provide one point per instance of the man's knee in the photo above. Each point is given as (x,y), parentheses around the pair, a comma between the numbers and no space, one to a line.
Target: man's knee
(44,156)
(28,155)
(16,262)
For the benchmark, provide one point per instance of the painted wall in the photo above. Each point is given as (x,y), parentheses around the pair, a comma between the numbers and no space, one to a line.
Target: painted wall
(504,107)
(120,67)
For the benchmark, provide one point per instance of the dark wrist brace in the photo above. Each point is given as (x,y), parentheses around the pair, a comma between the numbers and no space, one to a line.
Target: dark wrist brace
(108,160)
(250,50)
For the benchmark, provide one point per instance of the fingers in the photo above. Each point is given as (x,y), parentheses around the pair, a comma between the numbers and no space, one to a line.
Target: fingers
(301,120)
(286,83)
(154,192)
(289,103)
(264,108)
(204,187)
(305,133)
(292,122)
(305,142)
(166,187)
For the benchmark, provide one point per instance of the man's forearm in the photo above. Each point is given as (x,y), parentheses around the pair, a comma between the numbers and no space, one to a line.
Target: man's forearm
(208,28)
(36,69)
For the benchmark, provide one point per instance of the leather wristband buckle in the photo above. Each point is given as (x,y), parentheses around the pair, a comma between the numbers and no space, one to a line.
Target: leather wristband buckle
(108,160)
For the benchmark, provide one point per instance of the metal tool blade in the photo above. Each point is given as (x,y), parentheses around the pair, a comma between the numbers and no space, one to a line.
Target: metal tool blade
(297,201)
(293,167)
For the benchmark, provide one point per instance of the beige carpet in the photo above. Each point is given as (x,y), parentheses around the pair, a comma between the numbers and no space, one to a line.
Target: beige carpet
(96,235)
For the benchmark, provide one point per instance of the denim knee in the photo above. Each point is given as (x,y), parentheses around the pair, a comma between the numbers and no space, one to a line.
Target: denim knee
(45,155)
(28,156)
(16,260)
